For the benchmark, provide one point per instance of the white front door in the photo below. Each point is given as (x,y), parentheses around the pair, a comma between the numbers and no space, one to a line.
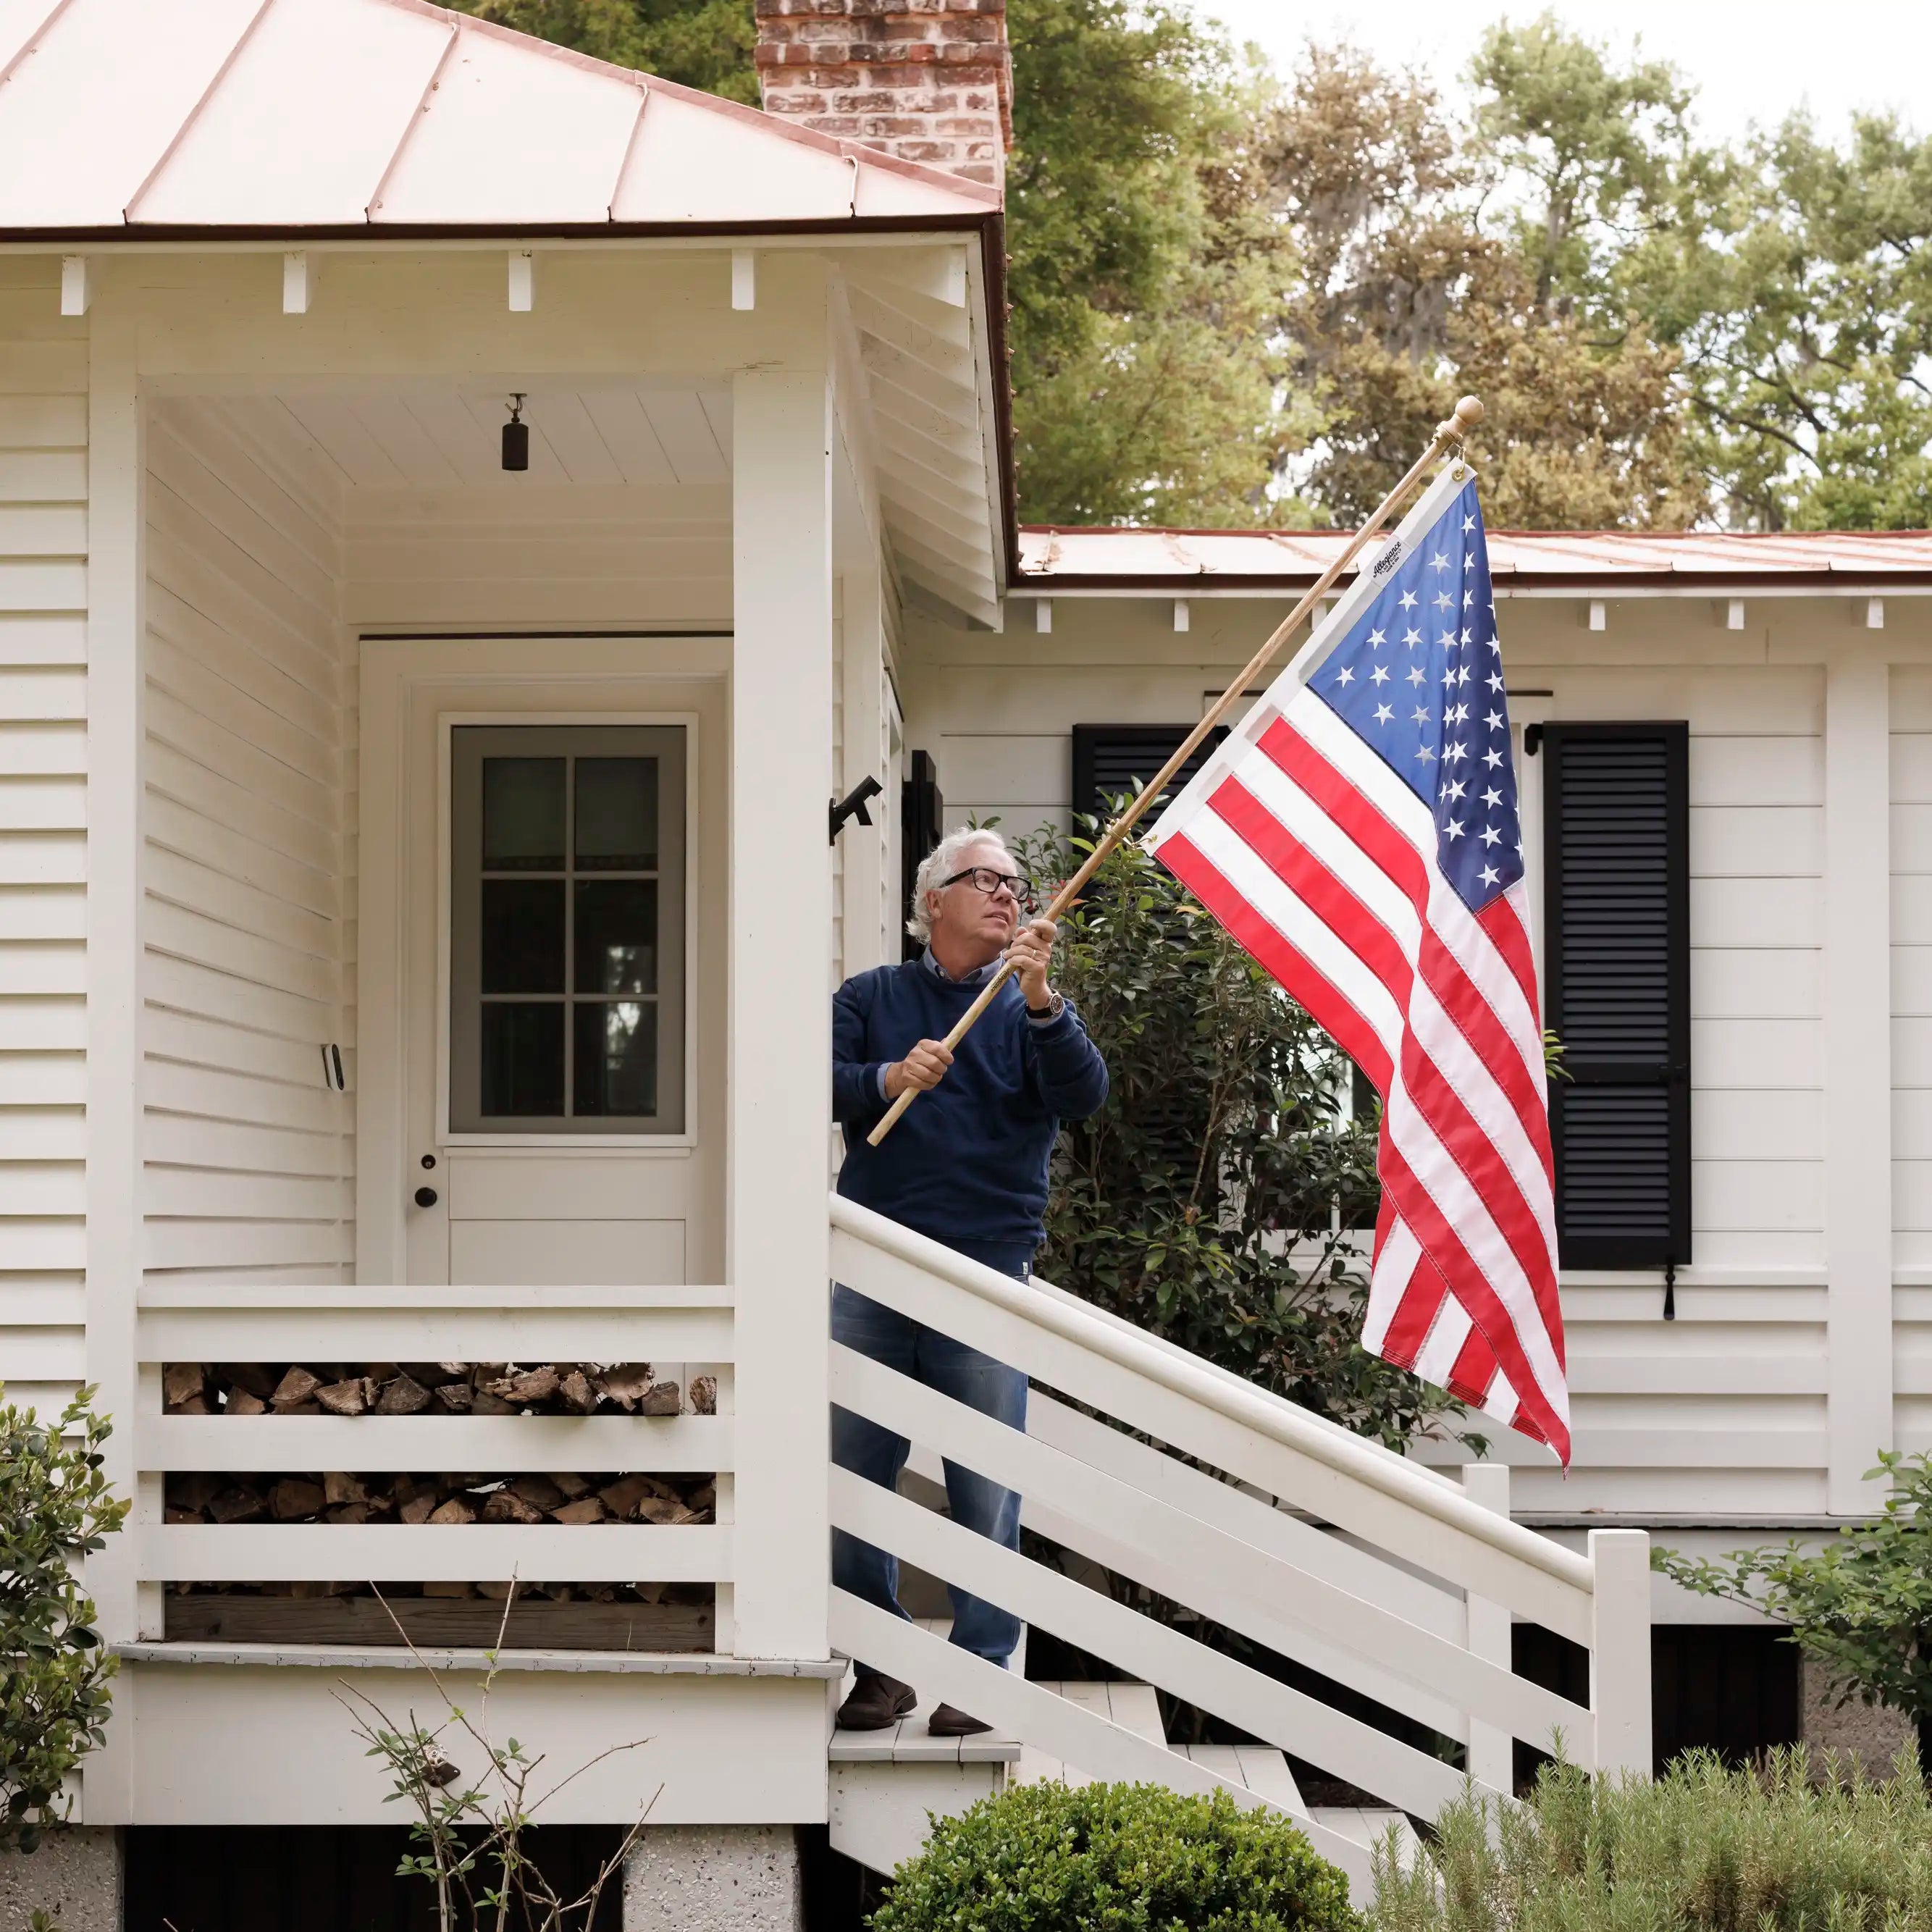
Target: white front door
(557,883)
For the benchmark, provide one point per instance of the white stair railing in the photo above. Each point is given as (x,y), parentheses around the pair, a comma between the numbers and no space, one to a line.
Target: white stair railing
(1381,1575)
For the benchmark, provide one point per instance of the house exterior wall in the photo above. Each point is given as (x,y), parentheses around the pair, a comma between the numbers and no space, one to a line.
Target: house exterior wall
(1911,963)
(220,614)
(1722,1415)
(44,763)
(248,966)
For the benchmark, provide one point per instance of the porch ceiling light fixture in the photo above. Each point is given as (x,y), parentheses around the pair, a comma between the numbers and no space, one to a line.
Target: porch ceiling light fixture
(516,435)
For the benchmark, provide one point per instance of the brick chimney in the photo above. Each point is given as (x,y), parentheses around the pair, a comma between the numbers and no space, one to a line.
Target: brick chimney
(927,80)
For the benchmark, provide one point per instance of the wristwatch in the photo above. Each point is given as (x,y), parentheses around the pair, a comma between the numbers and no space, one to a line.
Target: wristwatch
(1055,1005)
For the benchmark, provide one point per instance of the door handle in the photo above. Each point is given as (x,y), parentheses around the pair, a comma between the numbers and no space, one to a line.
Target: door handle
(425,1197)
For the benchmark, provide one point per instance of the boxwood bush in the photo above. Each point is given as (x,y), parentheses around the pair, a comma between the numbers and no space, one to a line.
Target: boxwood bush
(1115,1857)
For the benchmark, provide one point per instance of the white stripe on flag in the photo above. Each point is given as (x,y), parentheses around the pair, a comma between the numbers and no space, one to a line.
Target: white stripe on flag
(1256,881)
(1389,1282)
(1306,822)
(1436,1357)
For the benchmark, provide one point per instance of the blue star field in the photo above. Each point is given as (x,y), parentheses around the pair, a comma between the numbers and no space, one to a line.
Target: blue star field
(1419,677)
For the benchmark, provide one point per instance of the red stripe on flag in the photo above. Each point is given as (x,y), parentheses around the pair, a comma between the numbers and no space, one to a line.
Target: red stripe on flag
(1466,1281)
(1351,808)
(1315,886)
(1501,920)
(1473,1369)
(1462,1139)
(1475,1019)
(1384,1219)
(1422,1299)
(1291,967)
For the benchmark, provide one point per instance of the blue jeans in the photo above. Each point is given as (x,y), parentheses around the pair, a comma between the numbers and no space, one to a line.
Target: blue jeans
(876,1453)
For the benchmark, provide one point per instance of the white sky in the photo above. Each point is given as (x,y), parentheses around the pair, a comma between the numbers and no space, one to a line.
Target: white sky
(1752,60)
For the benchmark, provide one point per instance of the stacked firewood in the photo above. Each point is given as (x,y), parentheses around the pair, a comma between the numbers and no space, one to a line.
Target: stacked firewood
(437,1388)
(361,1496)
(418,1388)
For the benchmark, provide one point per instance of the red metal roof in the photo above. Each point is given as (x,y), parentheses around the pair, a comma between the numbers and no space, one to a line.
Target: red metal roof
(123,117)
(1181,560)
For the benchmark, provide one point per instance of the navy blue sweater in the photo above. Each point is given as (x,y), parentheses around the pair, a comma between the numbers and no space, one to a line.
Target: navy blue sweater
(966,1163)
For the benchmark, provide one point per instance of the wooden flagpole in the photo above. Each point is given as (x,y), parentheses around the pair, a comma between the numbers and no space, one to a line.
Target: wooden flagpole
(1451,431)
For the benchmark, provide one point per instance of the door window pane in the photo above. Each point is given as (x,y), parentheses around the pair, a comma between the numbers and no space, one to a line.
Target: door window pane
(567,999)
(522,815)
(616,936)
(616,814)
(522,936)
(523,1058)
(616,1053)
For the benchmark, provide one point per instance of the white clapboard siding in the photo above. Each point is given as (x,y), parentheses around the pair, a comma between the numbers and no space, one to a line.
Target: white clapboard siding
(43,836)
(249,1157)
(1911,830)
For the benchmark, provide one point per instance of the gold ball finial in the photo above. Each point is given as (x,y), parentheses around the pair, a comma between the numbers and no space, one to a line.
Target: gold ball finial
(1454,429)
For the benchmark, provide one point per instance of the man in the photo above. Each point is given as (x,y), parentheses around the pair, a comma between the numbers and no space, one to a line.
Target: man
(966,1164)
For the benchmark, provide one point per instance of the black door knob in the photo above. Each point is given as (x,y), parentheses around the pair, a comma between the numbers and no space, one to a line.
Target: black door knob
(425,1197)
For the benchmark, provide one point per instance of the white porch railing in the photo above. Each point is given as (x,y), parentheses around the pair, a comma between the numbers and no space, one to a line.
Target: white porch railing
(1386,1578)
(215,1323)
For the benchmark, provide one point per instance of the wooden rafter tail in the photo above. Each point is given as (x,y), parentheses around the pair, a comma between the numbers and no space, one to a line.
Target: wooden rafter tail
(1451,431)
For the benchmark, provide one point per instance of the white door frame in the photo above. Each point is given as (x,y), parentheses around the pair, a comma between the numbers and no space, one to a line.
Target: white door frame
(448,722)
(604,679)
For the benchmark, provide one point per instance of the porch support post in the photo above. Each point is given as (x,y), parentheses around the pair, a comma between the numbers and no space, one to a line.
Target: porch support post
(115,725)
(1858,1072)
(780,1078)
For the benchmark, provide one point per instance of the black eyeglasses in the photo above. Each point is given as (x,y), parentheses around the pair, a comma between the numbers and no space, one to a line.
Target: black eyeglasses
(986,880)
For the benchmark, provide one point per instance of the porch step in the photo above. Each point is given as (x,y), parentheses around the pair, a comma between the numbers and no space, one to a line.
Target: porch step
(1134,1707)
(1265,1771)
(1256,1767)
(884,1787)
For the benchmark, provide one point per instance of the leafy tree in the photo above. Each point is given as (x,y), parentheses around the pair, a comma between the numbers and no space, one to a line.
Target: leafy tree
(1410,290)
(701,43)
(1217,1199)
(1147,267)
(1804,318)
(54,1508)
(1861,1605)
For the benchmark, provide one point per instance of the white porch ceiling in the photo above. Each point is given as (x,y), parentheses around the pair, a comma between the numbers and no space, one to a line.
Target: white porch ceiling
(916,373)
(435,435)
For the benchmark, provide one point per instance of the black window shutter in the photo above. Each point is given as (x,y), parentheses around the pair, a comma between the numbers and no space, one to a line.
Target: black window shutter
(1109,760)
(1617,964)
(922,818)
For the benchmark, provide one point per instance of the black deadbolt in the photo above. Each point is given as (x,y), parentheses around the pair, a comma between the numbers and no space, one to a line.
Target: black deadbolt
(429,1160)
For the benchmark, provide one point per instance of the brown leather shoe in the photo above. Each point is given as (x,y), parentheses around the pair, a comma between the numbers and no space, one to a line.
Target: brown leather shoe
(949,1721)
(876,1704)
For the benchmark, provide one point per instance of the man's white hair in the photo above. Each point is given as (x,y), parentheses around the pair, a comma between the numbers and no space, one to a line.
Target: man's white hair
(941,863)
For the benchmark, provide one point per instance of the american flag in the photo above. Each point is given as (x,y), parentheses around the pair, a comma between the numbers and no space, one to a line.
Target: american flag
(1358,833)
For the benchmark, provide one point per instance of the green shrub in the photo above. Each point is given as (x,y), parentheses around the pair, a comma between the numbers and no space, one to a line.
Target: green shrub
(1703,1850)
(56,1511)
(1862,1605)
(1115,1857)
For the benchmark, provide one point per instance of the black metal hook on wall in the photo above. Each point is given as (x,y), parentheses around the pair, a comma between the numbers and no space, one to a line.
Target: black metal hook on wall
(853,805)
